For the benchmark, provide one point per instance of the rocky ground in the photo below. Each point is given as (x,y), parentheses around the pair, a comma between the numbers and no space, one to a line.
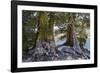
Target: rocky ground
(49,53)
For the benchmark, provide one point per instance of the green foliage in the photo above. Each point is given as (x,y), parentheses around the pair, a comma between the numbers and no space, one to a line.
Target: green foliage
(29,24)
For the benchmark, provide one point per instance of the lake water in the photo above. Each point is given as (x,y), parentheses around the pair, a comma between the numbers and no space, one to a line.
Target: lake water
(87,45)
(62,41)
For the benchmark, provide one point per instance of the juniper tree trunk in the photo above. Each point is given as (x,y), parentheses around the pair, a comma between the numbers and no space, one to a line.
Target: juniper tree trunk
(42,27)
(70,30)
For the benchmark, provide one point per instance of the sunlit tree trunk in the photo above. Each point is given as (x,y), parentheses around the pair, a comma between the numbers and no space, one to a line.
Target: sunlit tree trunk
(51,28)
(42,26)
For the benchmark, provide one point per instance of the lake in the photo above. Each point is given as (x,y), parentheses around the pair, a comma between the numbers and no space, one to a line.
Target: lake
(62,41)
